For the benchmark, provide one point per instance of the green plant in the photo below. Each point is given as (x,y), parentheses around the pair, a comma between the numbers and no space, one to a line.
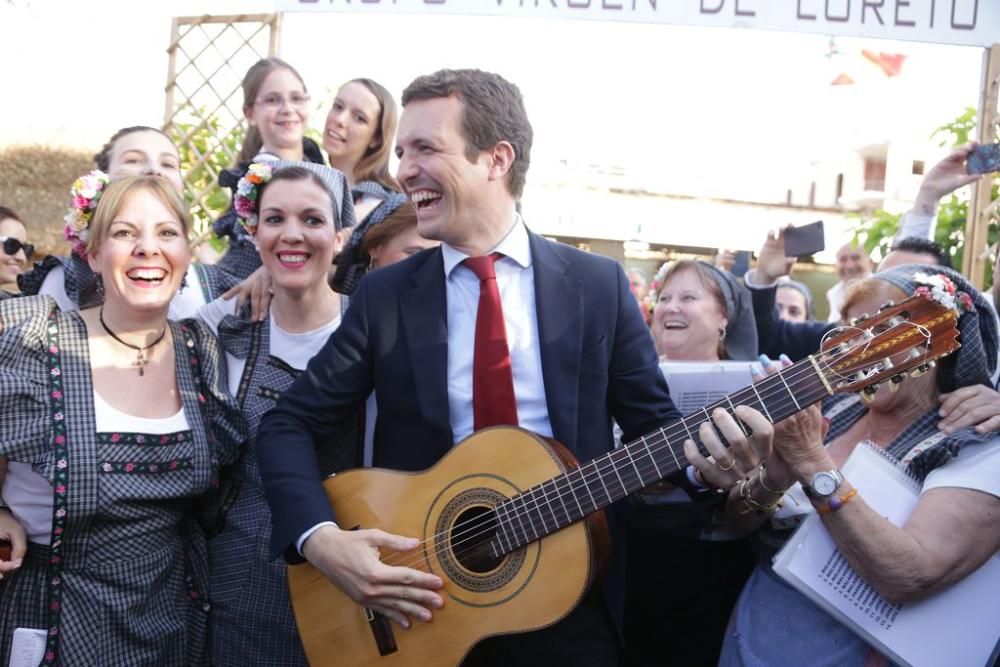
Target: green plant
(205,151)
(876,232)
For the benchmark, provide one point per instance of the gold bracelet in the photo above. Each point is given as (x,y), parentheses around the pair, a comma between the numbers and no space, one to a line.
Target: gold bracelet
(763,484)
(752,505)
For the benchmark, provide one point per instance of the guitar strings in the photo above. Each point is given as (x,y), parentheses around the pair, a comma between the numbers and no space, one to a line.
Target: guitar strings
(657,442)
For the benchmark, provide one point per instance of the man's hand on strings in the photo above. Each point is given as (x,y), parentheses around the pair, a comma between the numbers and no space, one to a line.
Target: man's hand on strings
(749,441)
(350,559)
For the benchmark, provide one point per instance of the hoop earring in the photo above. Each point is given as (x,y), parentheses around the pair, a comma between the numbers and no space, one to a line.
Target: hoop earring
(722,334)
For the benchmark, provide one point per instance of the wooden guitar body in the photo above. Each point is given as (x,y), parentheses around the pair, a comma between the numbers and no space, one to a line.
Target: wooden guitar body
(529,588)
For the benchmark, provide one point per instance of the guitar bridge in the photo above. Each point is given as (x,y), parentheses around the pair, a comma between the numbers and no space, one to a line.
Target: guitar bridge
(381,628)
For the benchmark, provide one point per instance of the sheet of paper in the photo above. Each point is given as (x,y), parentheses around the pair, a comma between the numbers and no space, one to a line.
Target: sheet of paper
(693,385)
(27,648)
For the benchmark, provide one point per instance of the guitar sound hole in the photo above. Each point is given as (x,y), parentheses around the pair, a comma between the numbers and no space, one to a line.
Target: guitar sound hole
(470,539)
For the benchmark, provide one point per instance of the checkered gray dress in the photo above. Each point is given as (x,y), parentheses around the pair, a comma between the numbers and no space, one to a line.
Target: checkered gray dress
(251,620)
(122,582)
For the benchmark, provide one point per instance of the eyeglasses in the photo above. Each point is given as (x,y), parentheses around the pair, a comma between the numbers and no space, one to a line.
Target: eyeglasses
(275,102)
(11,245)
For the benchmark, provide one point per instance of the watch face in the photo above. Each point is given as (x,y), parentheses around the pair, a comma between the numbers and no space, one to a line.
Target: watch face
(824,484)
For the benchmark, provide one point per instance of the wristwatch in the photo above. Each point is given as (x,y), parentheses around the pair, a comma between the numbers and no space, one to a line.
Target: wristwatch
(823,484)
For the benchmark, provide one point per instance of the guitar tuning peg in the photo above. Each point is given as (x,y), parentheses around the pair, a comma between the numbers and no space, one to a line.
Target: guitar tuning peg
(895,381)
(859,319)
(887,305)
(868,393)
(923,368)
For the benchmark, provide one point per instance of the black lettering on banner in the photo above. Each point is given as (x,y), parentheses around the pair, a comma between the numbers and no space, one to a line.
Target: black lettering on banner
(706,10)
(578,4)
(746,12)
(933,2)
(800,15)
(607,4)
(429,2)
(875,5)
(899,21)
(965,26)
(834,18)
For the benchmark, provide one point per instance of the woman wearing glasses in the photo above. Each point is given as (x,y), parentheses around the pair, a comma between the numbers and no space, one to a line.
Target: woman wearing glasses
(17,251)
(276,108)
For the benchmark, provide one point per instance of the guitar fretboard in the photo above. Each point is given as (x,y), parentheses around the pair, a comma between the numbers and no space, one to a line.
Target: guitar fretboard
(568,498)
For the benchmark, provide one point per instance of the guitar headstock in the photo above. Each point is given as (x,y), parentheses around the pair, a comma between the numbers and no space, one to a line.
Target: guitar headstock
(899,341)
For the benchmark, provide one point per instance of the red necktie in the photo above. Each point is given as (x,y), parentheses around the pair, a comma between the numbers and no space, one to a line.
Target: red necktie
(493,401)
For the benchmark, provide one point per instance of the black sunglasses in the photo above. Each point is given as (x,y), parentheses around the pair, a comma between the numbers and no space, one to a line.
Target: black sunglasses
(11,245)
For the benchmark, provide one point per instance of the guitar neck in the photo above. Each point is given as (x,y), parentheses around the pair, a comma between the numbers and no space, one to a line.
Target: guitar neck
(567,498)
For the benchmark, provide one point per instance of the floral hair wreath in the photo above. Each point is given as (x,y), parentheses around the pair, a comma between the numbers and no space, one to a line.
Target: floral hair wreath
(248,192)
(941,288)
(84,195)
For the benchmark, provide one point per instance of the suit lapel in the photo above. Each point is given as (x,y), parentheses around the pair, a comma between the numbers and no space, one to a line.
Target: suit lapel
(425,323)
(559,310)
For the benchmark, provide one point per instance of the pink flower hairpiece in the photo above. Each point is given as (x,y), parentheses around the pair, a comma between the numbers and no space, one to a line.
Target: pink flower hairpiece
(248,193)
(940,287)
(84,195)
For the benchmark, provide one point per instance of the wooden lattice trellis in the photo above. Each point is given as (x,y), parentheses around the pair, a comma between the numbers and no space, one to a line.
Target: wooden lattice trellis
(983,209)
(209,56)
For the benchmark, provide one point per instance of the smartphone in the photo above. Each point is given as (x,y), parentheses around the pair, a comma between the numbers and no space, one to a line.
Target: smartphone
(804,240)
(983,159)
(742,264)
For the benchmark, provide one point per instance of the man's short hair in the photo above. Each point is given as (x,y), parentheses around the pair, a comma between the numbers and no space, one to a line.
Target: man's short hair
(493,111)
(923,246)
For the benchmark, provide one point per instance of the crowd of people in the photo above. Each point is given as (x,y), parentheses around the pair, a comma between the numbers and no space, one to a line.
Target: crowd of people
(168,424)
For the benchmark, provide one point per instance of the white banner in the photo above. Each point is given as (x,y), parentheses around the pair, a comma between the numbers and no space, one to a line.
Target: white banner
(956,22)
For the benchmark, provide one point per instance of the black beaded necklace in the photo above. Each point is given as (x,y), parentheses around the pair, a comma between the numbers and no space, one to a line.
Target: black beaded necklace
(140,360)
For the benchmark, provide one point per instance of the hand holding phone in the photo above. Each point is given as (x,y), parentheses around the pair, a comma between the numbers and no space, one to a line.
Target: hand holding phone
(805,240)
(983,159)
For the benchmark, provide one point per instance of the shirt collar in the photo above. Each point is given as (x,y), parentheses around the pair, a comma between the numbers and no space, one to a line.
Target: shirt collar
(515,245)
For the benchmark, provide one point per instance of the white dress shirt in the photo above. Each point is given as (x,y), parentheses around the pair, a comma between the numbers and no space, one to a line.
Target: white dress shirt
(516,282)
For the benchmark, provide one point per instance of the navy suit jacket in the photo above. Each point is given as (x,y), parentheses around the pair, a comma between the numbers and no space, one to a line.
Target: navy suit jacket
(598,364)
(776,336)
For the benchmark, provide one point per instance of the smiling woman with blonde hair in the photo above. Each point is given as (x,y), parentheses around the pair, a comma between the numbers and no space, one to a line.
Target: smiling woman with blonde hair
(116,422)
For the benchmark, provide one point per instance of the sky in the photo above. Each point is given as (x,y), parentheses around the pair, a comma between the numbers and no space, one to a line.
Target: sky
(699,111)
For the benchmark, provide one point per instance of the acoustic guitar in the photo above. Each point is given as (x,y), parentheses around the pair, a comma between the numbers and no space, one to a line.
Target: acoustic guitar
(513,525)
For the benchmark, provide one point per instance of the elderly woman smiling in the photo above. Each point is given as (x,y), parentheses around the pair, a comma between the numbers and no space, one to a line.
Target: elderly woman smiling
(954,528)
(701,314)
